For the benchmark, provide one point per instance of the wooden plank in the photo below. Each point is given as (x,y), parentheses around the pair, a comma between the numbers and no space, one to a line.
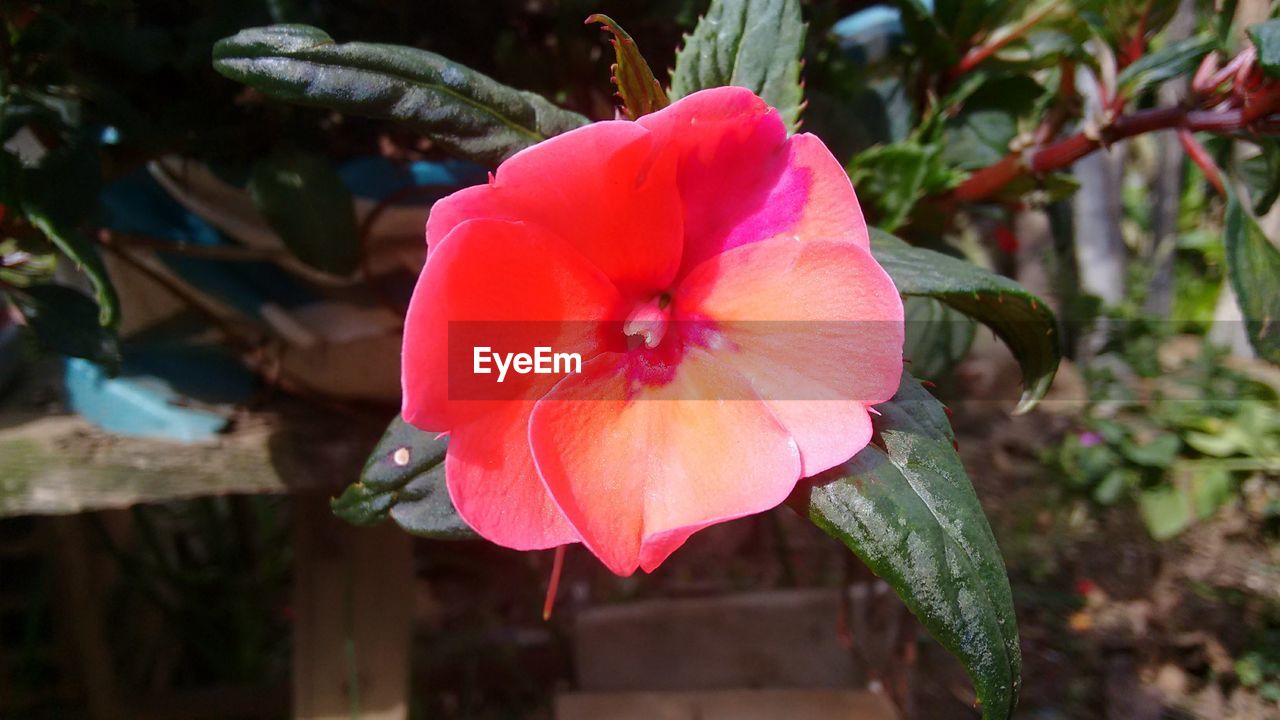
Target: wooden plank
(353,608)
(79,615)
(60,464)
(726,705)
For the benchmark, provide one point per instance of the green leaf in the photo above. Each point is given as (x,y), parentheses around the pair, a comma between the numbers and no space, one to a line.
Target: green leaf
(65,321)
(1158,452)
(57,197)
(404,478)
(306,202)
(640,91)
(1171,61)
(756,44)
(1019,318)
(981,133)
(1261,174)
(1165,510)
(1266,38)
(1253,264)
(463,111)
(893,178)
(909,511)
(937,336)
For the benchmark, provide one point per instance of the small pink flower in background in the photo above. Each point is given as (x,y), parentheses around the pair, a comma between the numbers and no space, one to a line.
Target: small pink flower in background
(1090,438)
(714,276)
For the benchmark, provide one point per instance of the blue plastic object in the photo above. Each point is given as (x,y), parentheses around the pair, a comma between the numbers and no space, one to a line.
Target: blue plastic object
(868,35)
(139,406)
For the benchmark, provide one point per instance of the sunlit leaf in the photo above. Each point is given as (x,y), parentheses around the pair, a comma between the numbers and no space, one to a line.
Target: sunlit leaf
(463,111)
(908,510)
(640,91)
(1018,317)
(756,44)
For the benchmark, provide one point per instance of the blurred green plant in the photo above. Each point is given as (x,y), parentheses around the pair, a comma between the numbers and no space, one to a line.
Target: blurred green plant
(1175,435)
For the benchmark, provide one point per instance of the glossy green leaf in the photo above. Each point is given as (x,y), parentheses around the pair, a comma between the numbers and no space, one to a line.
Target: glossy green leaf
(937,336)
(1266,38)
(404,479)
(756,44)
(307,203)
(640,91)
(1253,265)
(908,510)
(58,196)
(461,110)
(65,321)
(1016,316)
(1171,61)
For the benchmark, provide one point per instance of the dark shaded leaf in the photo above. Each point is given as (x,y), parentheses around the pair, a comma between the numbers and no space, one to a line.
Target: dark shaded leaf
(306,202)
(756,44)
(65,321)
(57,197)
(981,133)
(1266,38)
(1261,174)
(1019,318)
(463,111)
(1171,61)
(404,478)
(640,91)
(1253,264)
(937,338)
(909,512)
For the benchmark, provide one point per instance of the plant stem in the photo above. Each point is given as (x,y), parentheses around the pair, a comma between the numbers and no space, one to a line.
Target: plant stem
(979,54)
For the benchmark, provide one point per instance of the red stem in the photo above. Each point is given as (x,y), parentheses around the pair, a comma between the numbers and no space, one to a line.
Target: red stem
(977,55)
(1201,158)
(1056,156)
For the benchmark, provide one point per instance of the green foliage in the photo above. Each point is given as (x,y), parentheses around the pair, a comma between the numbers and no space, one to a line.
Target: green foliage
(1020,319)
(466,113)
(756,44)
(306,202)
(1167,63)
(1177,440)
(937,336)
(906,507)
(1253,264)
(404,478)
(981,131)
(57,196)
(639,90)
(1259,669)
(1261,174)
(1266,38)
(892,179)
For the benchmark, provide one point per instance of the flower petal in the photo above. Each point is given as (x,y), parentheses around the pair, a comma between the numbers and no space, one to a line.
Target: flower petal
(637,468)
(815,326)
(607,189)
(742,180)
(494,485)
(511,287)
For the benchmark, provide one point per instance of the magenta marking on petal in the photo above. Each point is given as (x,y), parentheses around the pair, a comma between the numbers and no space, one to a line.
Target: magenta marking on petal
(780,212)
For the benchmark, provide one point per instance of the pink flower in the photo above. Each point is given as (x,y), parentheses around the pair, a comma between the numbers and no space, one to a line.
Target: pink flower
(715,278)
